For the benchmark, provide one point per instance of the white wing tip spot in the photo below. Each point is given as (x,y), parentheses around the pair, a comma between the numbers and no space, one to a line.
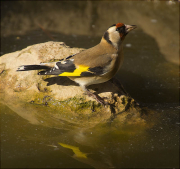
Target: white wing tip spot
(21,68)
(56,67)
(63,62)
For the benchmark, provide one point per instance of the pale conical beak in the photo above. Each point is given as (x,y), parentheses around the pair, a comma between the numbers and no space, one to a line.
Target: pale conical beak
(130,28)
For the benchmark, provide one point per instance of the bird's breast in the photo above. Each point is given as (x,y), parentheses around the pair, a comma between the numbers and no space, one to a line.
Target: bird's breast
(115,65)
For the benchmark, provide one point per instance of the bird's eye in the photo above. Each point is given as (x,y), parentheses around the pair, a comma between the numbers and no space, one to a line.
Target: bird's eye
(120,29)
(117,29)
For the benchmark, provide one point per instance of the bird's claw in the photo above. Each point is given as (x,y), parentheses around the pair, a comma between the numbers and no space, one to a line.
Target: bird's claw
(98,98)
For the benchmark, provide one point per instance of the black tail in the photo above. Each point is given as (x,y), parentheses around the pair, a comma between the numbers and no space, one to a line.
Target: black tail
(32,67)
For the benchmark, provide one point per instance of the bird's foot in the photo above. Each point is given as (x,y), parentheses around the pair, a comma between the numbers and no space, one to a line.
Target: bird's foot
(97,98)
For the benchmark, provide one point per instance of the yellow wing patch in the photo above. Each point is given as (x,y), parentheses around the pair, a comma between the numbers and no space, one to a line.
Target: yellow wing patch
(77,71)
(76,150)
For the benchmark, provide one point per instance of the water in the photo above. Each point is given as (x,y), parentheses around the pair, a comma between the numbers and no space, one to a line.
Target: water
(31,138)
(105,145)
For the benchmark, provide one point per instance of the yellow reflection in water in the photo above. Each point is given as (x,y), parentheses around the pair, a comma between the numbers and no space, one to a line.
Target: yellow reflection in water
(76,150)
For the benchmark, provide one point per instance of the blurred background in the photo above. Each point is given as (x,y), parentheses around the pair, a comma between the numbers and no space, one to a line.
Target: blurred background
(149,74)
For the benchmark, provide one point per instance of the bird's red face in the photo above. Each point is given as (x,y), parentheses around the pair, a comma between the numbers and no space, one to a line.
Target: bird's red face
(124,29)
(116,33)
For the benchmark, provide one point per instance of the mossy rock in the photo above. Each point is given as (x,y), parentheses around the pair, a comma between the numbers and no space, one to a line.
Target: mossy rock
(53,99)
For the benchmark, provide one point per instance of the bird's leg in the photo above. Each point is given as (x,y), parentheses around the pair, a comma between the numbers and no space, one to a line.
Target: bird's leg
(118,84)
(95,96)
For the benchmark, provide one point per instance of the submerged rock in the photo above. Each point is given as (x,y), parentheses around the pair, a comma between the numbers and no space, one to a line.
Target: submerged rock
(63,98)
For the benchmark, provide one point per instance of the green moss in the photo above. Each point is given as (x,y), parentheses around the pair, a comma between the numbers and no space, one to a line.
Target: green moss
(69,108)
(41,98)
(77,110)
(76,103)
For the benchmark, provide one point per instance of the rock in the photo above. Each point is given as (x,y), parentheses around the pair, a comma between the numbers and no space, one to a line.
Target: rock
(62,96)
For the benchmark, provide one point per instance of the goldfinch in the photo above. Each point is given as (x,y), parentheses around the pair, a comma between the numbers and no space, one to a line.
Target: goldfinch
(92,66)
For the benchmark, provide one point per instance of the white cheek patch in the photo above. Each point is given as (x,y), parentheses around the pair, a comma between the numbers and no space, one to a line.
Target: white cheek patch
(114,38)
(112,29)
